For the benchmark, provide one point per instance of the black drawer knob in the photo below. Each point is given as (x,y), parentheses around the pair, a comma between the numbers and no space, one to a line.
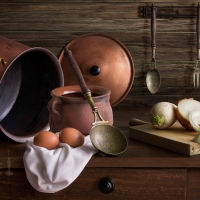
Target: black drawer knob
(95,70)
(106,185)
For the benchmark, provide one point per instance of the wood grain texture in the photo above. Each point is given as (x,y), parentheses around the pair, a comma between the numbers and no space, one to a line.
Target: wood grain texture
(193,181)
(15,186)
(132,184)
(51,24)
(145,184)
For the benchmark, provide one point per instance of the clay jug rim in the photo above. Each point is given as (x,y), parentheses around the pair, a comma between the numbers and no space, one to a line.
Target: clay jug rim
(99,90)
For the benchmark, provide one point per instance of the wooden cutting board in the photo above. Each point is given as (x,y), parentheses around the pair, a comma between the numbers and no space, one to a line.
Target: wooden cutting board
(176,138)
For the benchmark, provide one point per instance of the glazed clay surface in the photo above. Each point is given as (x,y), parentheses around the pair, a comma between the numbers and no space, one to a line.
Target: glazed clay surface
(74,110)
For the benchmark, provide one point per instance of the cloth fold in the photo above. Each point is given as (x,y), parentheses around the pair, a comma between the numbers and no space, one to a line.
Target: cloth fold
(50,171)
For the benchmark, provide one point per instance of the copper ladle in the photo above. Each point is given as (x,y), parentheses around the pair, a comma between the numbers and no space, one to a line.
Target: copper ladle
(104,137)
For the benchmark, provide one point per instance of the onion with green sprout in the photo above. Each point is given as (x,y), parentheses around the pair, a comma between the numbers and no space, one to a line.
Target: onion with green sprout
(163,115)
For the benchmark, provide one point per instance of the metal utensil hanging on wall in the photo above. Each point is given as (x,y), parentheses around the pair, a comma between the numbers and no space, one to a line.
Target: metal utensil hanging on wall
(153,79)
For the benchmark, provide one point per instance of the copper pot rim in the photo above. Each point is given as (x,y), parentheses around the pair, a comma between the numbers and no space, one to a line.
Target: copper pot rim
(40,49)
(70,43)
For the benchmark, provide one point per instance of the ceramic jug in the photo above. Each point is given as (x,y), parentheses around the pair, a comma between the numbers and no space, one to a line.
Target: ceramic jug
(69,108)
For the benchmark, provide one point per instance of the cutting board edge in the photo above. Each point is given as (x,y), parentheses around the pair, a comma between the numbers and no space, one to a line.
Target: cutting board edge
(173,145)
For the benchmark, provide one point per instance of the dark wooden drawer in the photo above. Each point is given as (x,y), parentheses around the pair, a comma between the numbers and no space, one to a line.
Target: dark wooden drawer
(143,184)
(193,183)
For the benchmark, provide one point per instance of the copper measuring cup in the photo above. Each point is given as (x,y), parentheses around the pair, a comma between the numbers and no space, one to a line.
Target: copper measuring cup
(104,137)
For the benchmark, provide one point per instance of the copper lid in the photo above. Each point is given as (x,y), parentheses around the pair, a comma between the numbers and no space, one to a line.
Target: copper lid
(103,61)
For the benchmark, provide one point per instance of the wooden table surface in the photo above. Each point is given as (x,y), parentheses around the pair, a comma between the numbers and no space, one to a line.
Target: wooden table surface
(143,171)
(137,155)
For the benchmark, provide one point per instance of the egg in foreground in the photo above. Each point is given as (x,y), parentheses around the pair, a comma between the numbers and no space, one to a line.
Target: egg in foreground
(46,139)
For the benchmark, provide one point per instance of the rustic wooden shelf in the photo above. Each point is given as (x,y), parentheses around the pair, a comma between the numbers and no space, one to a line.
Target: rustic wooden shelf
(141,172)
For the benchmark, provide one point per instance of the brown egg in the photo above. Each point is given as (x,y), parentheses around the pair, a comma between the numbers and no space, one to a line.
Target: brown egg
(72,137)
(46,139)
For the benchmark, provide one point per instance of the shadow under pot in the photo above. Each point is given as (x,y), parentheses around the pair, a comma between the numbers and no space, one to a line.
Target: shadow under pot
(69,108)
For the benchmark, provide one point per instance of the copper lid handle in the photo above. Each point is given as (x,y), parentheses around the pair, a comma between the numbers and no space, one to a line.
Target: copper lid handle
(95,70)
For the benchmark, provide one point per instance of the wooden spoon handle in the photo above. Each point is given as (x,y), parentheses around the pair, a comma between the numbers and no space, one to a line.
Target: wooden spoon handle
(198,26)
(153,26)
(76,71)
(136,122)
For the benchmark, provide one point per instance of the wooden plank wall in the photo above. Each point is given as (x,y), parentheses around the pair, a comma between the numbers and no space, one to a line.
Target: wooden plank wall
(52,23)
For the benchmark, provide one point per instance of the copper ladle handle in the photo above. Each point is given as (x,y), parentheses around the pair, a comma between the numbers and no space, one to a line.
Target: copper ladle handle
(79,77)
(76,71)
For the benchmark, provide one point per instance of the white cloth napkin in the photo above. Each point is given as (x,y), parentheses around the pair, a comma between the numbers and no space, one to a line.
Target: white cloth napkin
(52,170)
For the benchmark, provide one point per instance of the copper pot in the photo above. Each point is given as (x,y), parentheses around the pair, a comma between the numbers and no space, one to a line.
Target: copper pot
(27,77)
(68,108)
(10,73)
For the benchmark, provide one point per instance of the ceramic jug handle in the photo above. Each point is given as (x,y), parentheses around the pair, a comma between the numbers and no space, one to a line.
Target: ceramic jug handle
(53,104)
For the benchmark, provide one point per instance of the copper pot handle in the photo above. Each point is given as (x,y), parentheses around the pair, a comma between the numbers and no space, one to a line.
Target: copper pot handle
(52,105)
(3,61)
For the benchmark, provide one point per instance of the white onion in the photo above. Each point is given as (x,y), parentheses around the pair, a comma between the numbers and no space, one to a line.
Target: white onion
(163,115)
(184,108)
(194,118)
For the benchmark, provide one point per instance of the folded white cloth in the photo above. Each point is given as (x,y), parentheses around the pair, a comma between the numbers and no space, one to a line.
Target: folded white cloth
(52,170)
